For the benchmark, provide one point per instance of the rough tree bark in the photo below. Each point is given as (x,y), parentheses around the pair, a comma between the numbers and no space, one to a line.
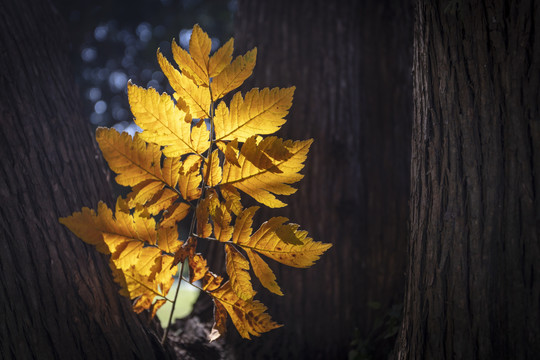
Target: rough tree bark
(57,297)
(474,276)
(350,62)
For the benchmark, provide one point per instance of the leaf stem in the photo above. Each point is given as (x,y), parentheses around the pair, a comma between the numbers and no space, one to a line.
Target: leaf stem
(193,219)
(180,277)
(209,167)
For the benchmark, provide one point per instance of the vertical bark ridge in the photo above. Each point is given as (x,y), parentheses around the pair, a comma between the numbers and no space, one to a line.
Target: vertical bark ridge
(474,227)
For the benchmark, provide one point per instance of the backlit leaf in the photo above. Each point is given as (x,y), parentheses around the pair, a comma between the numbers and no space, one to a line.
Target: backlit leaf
(162,122)
(161,201)
(176,213)
(197,98)
(232,198)
(199,49)
(136,249)
(243,225)
(221,58)
(267,241)
(204,228)
(188,66)
(230,150)
(211,281)
(233,75)
(172,173)
(137,164)
(197,267)
(249,317)
(222,224)
(238,270)
(190,178)
(263,272)
(261,179)
(220,322)
(261,112)
(214,178)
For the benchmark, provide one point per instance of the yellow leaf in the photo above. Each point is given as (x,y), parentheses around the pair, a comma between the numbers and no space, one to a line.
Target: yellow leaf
(211,281)
(199,49)
(197,267)
(233,75)
(232,198)
(137,286)
(222,220)
(131,158)
(204,228)
(86,225)
(200,137)
(187,250)
(268,242)
(176,213)
(261,179)
(197,98)
(188,67)
(137,260)
(155,307)
(221,59)
(168,240)
(143,192)
(261,112)
(230,149)
(242,226)
(213,201)
(190,178)
(214,177)
(128,238)
(220,322)
(161,201)
(249,317)
(131,239)
(165,166)
(137,163)
(163,123)
(238,270)
(263,272)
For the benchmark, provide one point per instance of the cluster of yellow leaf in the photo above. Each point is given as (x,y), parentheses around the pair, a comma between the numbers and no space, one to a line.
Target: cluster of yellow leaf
(191,150)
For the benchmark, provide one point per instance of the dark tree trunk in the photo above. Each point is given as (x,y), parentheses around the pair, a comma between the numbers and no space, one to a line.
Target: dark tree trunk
(57,297)
(350,62)
(474,276)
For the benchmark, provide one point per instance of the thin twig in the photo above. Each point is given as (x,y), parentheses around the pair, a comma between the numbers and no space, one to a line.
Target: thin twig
(174,302)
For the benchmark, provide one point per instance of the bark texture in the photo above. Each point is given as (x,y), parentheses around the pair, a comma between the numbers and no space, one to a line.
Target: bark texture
(473,288)
(57,297)
(350,62)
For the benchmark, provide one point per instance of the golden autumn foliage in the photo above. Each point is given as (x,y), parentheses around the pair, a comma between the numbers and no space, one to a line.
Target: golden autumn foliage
(197,154)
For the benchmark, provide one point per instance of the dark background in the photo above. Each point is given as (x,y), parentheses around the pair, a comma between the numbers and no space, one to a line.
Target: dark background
(114,41)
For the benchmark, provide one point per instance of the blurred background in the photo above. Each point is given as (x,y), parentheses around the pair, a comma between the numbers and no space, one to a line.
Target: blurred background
(114,41)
